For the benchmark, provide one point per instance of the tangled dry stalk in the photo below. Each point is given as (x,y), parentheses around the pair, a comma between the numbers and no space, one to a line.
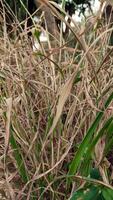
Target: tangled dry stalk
(48,100)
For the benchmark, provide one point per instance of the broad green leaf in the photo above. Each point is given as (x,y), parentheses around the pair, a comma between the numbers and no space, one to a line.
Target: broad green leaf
(89,193)
(107,193)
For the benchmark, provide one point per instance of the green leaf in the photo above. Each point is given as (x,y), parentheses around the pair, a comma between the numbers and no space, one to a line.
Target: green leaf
(37,34)
(109,143)
(95,174)
(83,147)
(18,157)
(104,130)
(107,193)
(89,193)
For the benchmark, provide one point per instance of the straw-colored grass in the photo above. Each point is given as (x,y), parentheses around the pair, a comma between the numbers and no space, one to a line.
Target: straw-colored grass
(49,101)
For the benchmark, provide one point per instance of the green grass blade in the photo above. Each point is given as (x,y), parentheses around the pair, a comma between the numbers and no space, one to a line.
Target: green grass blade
(83,147)
(103,131)
(109,143)
(18,157)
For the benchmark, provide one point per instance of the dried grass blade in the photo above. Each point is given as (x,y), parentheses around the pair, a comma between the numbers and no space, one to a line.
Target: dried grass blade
(8,121)
(63,95)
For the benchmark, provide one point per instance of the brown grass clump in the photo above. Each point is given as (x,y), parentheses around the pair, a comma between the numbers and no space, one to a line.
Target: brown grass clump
(48,100)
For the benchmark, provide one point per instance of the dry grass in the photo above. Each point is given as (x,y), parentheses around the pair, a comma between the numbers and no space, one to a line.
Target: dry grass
(48,100)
